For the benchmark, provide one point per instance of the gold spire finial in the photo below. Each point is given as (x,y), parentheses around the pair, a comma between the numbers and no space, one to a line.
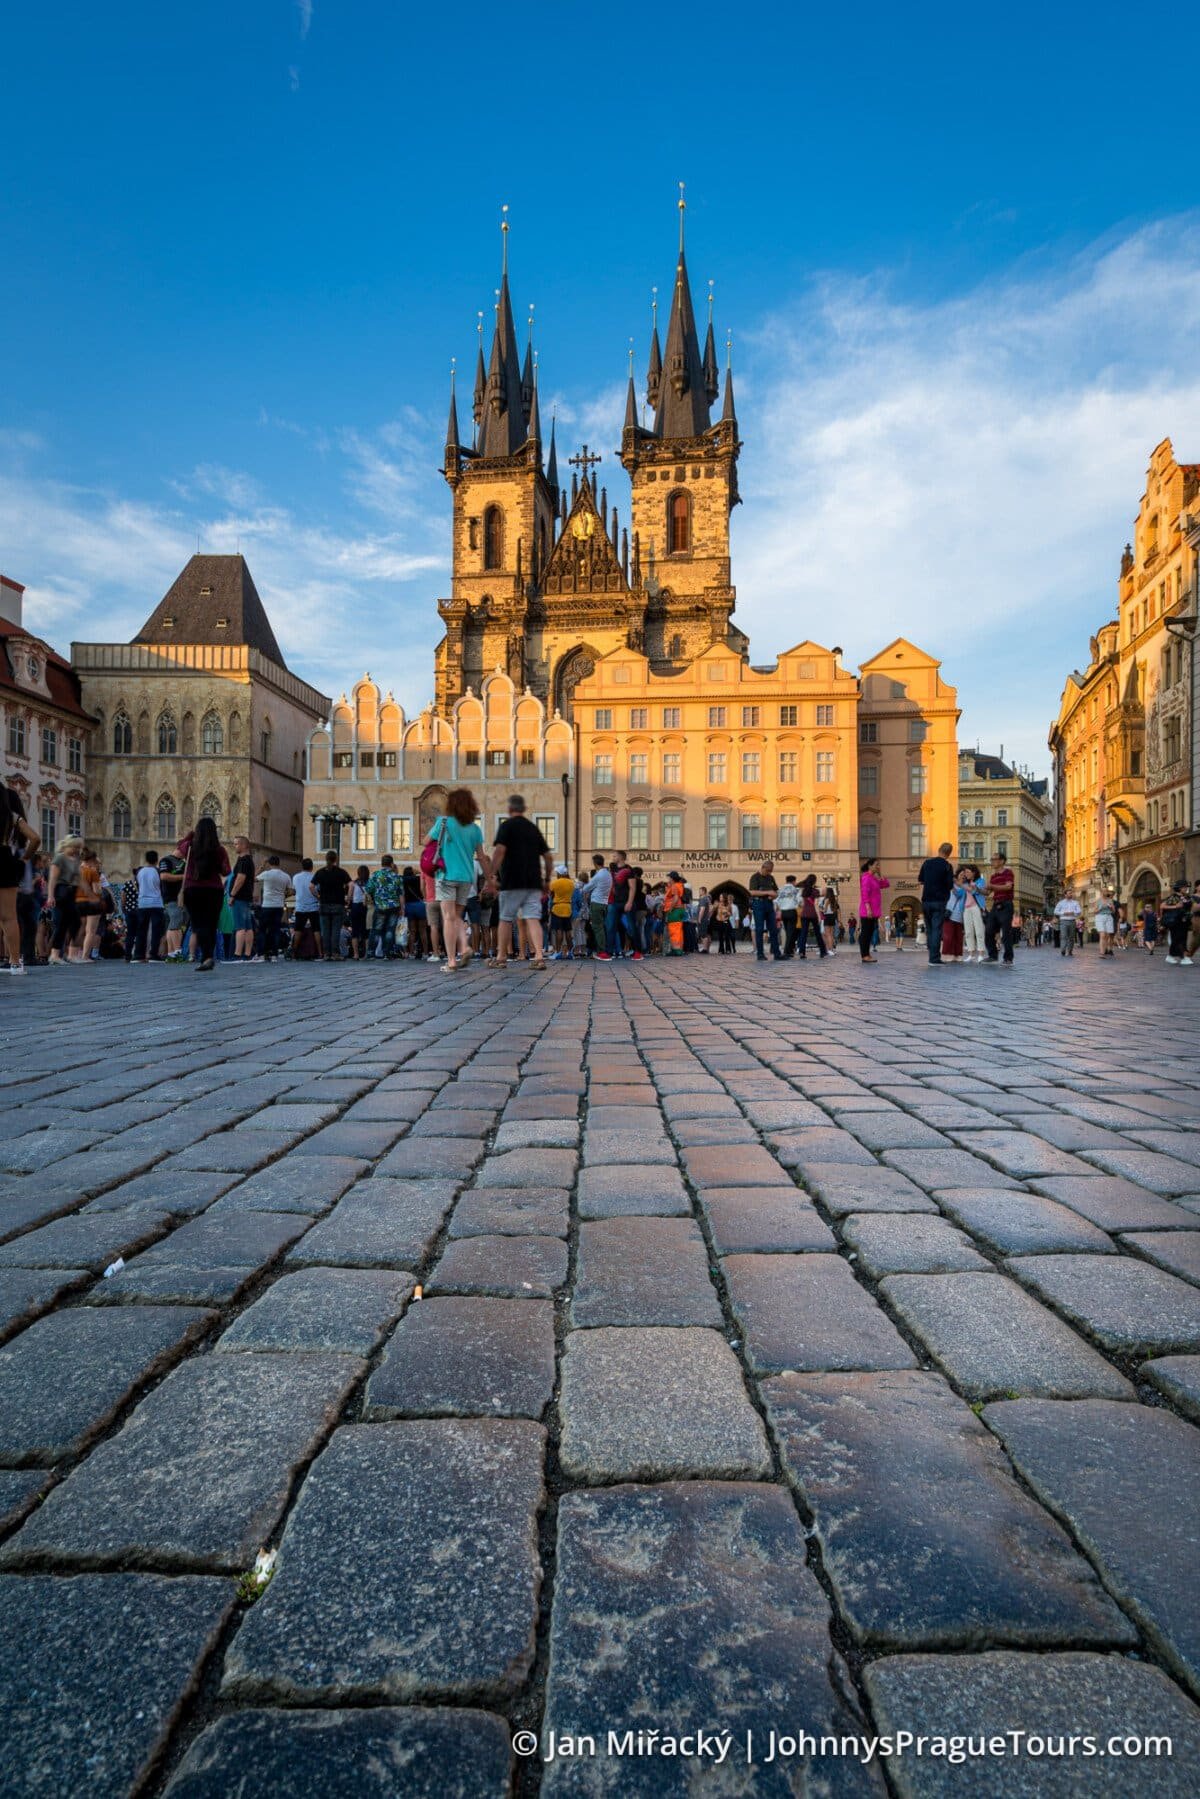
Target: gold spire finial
(504,238)
(682,210)
(479,316)
(728,351)
(711,285)
(531,322)
(654,306)
(453,364)
(631,359)
(496,301)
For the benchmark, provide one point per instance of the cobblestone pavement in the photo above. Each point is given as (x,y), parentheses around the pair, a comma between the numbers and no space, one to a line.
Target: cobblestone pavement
(659,1348)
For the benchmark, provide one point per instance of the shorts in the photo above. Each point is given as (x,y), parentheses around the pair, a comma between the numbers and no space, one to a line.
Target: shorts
(11,867)
(243,915)
(415,909)
(176,916)
(520,902)
(561,922)
(457,892)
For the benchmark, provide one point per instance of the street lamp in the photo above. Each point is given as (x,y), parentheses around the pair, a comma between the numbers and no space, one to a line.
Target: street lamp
(333,818)
(566,793)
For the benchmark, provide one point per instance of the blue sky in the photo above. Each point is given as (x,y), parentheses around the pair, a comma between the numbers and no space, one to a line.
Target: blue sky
(242,243)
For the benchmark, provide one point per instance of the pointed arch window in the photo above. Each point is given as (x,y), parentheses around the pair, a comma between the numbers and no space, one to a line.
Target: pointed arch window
(122,735)
(493,538)
(212,735)
(679,524)
(122,817)
(168,735)
(210,807)
(164,819)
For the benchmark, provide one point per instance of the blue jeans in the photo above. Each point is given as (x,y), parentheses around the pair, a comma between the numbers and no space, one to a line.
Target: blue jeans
(764,919)
(148,933)
(935,918)
(614,924)
(383,930)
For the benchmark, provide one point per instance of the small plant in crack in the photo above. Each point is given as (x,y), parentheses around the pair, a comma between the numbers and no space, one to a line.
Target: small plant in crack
(254,1582)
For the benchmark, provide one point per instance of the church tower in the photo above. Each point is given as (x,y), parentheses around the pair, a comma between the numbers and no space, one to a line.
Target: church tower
(683,471)
(505,505)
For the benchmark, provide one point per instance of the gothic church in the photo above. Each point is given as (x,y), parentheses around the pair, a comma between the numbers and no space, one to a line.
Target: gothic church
(545,582)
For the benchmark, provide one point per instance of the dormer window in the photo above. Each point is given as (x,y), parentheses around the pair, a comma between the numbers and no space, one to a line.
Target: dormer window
(168,622)
(222,624)
(34,669)
(206,593)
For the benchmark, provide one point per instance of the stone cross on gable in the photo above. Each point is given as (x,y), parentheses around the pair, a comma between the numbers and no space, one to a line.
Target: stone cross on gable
(584,461)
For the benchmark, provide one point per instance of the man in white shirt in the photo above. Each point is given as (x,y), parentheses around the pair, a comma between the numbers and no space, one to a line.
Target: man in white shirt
(788,900)
(275,883)
(1069,913)
(150,915)
(597,893)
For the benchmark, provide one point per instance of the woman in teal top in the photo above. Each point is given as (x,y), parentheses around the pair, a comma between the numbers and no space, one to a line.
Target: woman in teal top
(460,843)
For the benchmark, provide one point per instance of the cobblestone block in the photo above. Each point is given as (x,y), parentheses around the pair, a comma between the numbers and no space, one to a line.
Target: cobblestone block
(901,1477)
(426,1528)
(470,1357)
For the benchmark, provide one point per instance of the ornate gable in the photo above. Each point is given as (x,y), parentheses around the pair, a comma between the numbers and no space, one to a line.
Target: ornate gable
(584,560)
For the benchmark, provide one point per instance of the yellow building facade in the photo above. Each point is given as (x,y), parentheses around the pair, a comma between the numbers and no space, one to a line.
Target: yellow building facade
(1001,809)
(1125,739)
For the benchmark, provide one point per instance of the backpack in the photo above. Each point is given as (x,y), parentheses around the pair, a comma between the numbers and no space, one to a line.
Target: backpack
(431,854)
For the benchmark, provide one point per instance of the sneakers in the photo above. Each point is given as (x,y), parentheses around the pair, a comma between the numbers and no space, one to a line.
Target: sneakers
(1184,962)
(1171,961)
(602,955)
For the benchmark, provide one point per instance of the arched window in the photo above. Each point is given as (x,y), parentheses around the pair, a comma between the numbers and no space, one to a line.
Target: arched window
(164,819)
(212,736)
(122,817)
(168,736)
(493,538)
(679,524)
(979,818)
(264,740)
(210,807)
(122,739)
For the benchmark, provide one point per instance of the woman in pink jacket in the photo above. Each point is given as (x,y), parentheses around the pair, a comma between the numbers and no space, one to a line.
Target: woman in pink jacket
(870,906)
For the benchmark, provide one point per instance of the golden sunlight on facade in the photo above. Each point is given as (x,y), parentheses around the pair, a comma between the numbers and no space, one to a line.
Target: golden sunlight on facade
(597,669)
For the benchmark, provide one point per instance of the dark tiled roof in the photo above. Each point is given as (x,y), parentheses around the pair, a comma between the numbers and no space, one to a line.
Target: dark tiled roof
(61,678)
(209,589)
(990,768)
(682,404)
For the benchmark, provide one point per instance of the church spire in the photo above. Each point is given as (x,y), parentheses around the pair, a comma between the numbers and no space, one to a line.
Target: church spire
(712,373)
(552,461)
(654,373)
(527,375)
(682,406)
(502,430)
(535,417)
(480,379)
(453,447)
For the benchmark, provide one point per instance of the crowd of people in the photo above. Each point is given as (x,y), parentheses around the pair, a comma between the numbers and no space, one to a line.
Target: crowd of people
(509,902)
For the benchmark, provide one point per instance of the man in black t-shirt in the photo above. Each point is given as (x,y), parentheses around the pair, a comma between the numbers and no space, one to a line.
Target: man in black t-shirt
(241,900)
(937,884)
(763,889)
(330,885)
(523,864)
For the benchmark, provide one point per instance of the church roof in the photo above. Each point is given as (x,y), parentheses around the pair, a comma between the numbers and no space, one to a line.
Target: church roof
(682,406)
(213,600)
(502,430)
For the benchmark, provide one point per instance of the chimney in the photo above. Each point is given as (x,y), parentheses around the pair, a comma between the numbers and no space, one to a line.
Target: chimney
(11,593)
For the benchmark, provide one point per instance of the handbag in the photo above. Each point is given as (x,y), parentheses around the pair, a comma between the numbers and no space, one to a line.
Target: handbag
(432,862)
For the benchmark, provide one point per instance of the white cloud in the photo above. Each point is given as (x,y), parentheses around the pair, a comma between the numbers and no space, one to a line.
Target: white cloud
(305,9)
(965,472)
